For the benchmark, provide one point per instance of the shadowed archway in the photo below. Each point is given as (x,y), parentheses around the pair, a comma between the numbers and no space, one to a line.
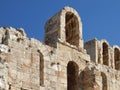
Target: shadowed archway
(117,58)
(72,76)
(105,54)
(72,29)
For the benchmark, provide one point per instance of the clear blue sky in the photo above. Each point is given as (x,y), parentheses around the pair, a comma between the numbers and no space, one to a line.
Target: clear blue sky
(100,18)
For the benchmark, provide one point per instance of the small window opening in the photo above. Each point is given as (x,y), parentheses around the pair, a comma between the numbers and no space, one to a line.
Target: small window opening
(72,76)
(105,54)
(116,58)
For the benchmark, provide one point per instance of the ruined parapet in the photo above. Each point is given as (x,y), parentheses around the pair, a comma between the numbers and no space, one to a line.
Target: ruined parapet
(102,53)
(9,33)
(65,27)
(19,57)
(99,51)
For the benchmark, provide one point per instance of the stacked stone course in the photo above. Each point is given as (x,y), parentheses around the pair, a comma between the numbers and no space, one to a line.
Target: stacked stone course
(62,62)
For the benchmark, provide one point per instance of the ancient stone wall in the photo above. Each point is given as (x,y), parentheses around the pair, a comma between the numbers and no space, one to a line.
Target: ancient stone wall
(62,62)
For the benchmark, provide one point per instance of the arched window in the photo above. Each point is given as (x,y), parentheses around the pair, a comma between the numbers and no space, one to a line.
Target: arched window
(104,81)
(105,54)
(72,76)
(116,58)
(72,29)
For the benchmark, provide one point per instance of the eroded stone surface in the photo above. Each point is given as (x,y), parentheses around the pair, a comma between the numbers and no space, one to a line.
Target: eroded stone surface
(62,62)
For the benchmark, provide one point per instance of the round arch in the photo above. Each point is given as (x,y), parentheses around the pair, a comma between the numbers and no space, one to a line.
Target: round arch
(42,54)
(72,76)
(116,57)
(105,52)
(71,27)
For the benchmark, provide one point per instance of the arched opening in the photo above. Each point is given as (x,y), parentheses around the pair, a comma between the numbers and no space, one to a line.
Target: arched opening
(41,68)
(104,81)
(105,54)
(72,29)
(87,80)
(72,76)
(116,58)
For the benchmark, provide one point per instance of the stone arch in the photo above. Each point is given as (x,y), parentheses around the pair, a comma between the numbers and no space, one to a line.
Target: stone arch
(41,52)
(65,26)
(116,57)
(104,81)
(105,53)
(72,76)
(71,27)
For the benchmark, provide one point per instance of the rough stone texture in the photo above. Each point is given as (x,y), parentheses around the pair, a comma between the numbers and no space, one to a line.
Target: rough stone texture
(62,62)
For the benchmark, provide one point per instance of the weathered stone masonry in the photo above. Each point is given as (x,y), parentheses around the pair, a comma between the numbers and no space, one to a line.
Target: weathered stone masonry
(62,62)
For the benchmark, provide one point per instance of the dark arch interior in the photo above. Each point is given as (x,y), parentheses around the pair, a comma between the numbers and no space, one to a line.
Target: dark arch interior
(72,76)
(116,58)
(41,68)
(72,29)
(105,54)
(104,81)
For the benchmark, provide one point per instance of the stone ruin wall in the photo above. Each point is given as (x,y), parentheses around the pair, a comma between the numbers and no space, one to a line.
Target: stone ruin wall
(62,62)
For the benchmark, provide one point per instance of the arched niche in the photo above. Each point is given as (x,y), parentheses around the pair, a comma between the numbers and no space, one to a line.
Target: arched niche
(117,58)
(72,76)
(104,81)
(72,29)
(105,53)
(41,68)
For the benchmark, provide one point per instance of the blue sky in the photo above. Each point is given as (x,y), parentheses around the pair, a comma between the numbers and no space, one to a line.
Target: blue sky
(100,18)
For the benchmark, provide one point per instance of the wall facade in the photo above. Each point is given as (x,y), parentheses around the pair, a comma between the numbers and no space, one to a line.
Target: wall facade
(62,62)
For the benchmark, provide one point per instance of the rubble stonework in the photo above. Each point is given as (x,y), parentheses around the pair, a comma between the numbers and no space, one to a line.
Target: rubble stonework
(62,62)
